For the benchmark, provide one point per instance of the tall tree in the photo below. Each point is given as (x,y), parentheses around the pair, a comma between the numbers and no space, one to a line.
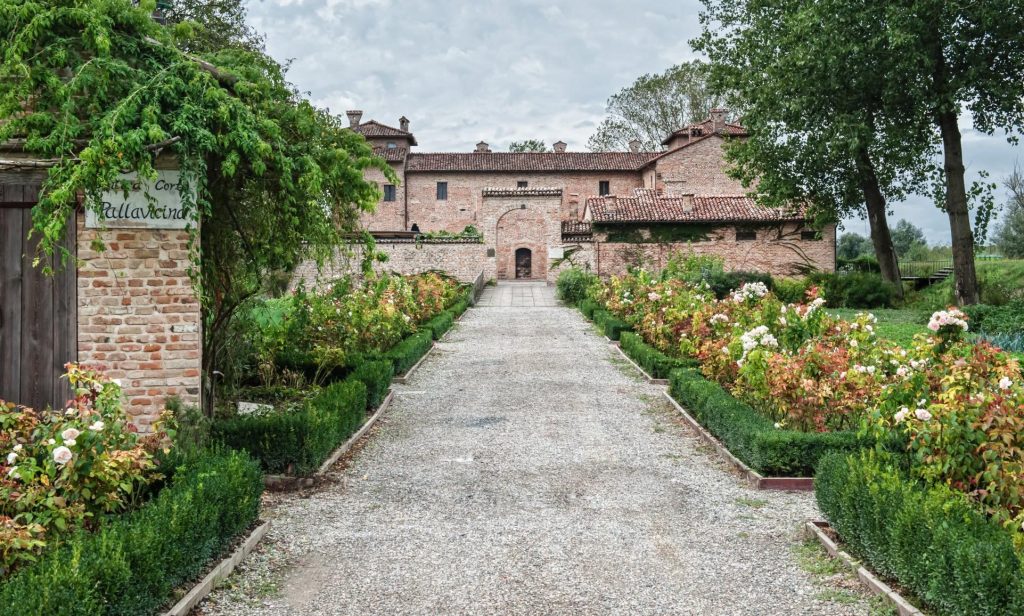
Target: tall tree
(852,245)
(96,88)
(813,109)
(906,236)
(947,56)
(1009,236)
(655,106)
(215,24)
(528,145)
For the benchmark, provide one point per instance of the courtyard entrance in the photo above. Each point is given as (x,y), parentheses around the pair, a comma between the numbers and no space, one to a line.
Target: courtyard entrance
(523,263)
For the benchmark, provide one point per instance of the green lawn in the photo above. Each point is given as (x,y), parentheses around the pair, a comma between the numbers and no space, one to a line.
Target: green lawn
(999,280)
(899,326)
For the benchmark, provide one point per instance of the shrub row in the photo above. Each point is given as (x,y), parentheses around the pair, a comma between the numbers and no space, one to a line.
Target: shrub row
(588,307)
(954,558)
(376,376)
(406,353)
(610,324)
(751,436)
(655,363)
(132,564)
(297,442)
(572,285)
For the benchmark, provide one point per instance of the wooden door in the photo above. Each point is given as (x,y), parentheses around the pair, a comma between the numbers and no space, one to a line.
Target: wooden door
(38,313)
(523,263)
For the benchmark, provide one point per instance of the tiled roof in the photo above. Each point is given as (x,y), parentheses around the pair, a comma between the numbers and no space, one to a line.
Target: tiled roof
(522,192)
(392,155)
(646,206)
(529,161)
(373,128)
(707,127)
(573,227)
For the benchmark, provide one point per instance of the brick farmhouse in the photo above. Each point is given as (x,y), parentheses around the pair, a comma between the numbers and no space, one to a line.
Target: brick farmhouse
(606,210)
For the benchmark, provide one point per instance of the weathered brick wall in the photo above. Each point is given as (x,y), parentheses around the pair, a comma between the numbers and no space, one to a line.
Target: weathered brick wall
(465,194)
(506,228)
(777,250)
(697,169)
(463,261)
(138,317)
(389,215)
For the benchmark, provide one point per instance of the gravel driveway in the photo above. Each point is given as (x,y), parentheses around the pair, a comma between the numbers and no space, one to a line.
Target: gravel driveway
(526,470)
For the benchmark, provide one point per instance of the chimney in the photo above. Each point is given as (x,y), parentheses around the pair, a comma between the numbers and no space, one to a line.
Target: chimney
(354,115)
(718,118)
(634,145)
(560,146)
(483,147)
(403,123)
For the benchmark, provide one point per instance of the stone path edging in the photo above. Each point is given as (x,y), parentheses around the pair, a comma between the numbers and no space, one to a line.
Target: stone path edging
(650,379)
(755,479)
(221,571)
(868,579)
(287,482)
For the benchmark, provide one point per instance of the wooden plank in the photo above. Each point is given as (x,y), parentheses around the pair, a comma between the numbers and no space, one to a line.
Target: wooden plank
(11,248)
(65,322)
(37,332)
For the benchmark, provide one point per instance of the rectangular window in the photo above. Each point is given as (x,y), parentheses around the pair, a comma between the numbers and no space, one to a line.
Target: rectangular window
(392,145)
(745,235)
(522,184)
(442,191)
(389,192)
(604,188)
(810,235)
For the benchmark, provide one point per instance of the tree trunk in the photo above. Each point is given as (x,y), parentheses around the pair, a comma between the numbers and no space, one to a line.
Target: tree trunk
(965,275)
(880,236)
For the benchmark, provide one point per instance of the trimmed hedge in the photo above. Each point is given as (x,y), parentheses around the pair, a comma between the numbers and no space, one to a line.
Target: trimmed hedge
(955,559)
(752,437)
(376,375)
(297,442)
(655,363)
(610,324)
(440,324)
(588,307)
(406,353)
(133,563)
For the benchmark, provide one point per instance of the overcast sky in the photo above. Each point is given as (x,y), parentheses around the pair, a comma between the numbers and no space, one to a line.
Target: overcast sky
(499,71)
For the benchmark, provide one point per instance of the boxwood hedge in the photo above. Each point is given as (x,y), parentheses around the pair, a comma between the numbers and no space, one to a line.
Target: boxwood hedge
(655,363)
(376,375)
(610,324)
(133,563)
(752,437)
(406,353)
(588,307)
(932,540)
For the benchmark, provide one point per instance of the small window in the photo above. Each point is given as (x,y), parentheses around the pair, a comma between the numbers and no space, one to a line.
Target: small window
(604,188)
(442,191)
(745,235)
(810,235)
(522,184)
(389,192)
(392,145)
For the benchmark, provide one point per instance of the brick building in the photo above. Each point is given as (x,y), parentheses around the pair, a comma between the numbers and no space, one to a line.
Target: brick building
(607,209)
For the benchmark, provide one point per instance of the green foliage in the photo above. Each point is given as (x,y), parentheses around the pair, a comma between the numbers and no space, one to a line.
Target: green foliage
(469,233)
(376,376)
(654,107)
(656,233)
(1009,236)
(906,237)
(855,290)
(898,326)
(572,285)
(440,324)
(791,290)
(655,363)
(929,539)
(751,436)
(609,324)
(853,245)
(724,283)
(1005,319)
(132,564)
(528,145)
(297,441)
(406,353)
(213,24)
(588,307)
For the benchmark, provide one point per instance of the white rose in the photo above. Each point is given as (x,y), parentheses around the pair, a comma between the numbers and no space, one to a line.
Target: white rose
(1005,382)
(62,455)
(902,415)
(18,447)
(70,434)
(97,426)
(12,458)
(922,414)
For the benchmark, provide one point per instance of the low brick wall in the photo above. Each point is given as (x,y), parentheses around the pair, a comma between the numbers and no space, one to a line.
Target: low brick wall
(463,261)
(138,317)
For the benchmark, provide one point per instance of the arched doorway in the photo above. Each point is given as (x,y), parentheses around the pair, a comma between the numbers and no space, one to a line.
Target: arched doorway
(524,263)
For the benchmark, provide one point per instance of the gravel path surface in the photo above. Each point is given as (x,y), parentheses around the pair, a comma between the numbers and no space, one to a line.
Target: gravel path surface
(526,470)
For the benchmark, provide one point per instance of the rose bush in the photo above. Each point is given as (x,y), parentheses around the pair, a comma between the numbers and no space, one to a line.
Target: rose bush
(67,468)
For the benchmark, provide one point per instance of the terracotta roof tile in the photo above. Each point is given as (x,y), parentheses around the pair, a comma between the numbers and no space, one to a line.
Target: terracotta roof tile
(522,192)
(707,127)
(646,207)
(373,128)
(529,161)
(573,227)
(392,155)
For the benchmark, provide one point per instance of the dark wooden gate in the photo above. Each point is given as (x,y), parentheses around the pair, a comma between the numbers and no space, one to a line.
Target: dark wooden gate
(524,265)
(38,313)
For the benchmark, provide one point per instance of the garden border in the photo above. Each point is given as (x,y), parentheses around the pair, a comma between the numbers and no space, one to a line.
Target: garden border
(219,573)
(650,379)
(814,529)
(284,483)
(403,379)
(755,479)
